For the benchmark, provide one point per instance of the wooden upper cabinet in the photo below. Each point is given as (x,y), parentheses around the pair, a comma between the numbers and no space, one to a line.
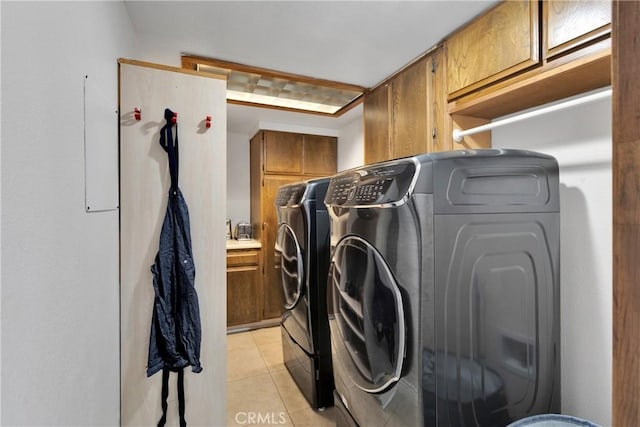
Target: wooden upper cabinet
(409,99)
(406,115)
(376,125)
(320,155)
(575,58)
(572,24)
(499,43)
(298,154)
(276,159)
(283,152)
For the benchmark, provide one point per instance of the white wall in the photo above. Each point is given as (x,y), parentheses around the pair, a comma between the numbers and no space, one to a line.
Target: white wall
(350,154)
(580,138)
(59,264)
(238,182)
(351,144)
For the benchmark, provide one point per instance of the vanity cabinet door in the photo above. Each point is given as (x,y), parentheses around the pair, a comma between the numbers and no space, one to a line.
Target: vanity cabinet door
(243,287)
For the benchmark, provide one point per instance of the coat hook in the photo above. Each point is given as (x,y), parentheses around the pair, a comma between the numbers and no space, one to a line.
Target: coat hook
(207,122)
(137,113)
(174,119)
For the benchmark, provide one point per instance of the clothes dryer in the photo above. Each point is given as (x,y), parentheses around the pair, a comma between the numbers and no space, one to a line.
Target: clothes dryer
(302,248)
(443,294)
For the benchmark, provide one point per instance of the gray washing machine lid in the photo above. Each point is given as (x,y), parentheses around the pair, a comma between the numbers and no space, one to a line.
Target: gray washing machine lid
(368,306)
(292,265)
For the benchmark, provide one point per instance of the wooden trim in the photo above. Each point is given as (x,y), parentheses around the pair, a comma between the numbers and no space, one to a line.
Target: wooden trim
(275,107)
(626,213)
(338,113)
(170,68)
(350,106)
(191,61)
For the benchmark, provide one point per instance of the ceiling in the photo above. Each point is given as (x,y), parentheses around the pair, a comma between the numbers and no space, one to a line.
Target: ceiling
(356,42)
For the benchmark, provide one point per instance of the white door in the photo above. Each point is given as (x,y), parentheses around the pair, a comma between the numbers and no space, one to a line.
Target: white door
(144,185)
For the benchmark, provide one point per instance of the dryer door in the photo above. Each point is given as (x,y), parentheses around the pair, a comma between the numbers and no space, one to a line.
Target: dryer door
(288,250)
(366,315)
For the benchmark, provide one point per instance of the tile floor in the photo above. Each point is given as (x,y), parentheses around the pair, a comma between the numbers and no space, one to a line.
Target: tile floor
(260,391)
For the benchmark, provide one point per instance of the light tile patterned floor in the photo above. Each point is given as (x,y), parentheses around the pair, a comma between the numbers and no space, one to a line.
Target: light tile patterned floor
(260,391)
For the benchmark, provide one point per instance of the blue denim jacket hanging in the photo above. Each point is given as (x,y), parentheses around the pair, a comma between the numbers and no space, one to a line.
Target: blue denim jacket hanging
(175,329)
(174,342)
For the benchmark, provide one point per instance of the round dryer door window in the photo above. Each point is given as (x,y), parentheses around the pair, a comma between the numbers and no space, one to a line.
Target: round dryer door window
(367,305)
(292,267)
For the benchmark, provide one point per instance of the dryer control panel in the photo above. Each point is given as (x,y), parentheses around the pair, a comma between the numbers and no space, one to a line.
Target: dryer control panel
(381,184)
(291,195)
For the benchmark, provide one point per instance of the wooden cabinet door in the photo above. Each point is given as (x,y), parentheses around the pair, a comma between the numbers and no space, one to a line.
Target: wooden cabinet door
(498,44)
(283,152)
(243,295)
(376,125)
(256,150)
(570,24)
(320,155)
(271,279)
(410,127)
(243,287)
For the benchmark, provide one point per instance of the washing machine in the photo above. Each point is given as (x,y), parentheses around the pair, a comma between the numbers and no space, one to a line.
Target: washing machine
(443,293)
(302,254)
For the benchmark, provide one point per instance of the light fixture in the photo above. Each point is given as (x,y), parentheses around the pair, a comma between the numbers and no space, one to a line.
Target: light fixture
(254,86)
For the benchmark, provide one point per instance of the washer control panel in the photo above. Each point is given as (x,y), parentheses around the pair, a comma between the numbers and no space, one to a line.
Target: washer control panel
(380,184)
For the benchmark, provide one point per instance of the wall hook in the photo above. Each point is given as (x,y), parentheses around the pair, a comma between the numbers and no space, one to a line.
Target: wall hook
(174,119)
(137,113)
(207,122)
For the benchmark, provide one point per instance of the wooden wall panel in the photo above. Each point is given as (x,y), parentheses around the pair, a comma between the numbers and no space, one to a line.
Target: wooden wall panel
(377,145)
(626,213)
(410,129)
(144,185)
(440,138)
